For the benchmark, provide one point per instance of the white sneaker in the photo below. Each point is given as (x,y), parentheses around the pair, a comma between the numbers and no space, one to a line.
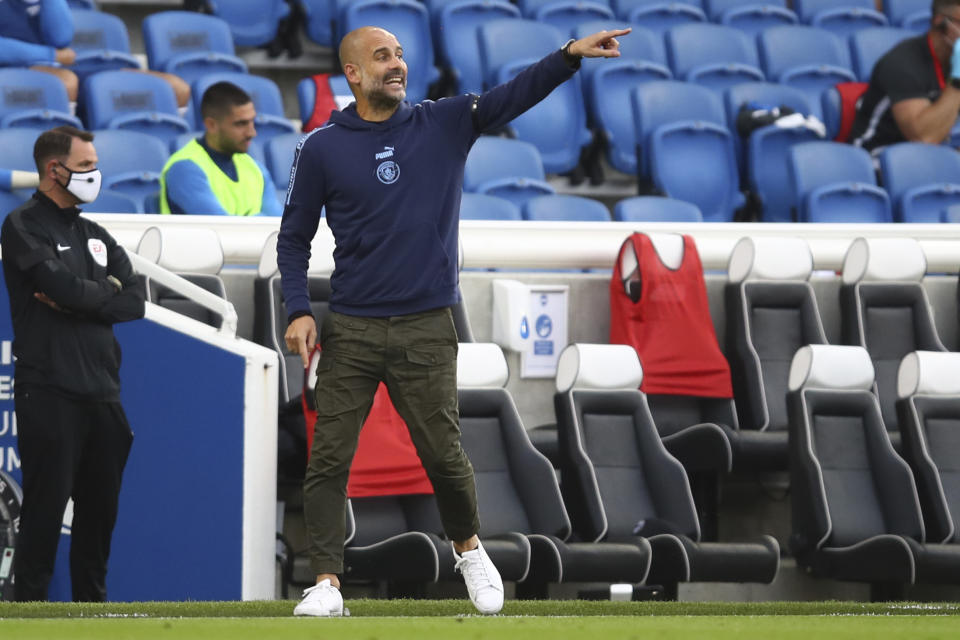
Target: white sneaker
(323,599)
(482,579)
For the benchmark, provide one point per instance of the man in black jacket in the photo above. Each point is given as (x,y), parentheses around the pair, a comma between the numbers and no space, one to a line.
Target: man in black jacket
(68,282)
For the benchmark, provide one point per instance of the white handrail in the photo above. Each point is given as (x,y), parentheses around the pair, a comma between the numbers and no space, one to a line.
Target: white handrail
(574,245)
(201,296)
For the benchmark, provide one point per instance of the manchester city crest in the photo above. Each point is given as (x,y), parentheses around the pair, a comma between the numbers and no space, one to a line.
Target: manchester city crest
(388,172)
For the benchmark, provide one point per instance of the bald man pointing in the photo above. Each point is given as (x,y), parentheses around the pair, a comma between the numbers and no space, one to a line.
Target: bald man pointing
(390,175)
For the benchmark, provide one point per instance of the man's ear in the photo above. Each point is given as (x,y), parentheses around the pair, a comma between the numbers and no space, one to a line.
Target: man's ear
(352,73)
(51,171)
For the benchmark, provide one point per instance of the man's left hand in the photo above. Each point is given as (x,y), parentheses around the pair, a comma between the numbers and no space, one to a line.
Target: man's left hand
(602,44)
(45,299)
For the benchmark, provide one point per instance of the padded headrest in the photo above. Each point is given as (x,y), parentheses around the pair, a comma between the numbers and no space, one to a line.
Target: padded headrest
(599,366)
(770,259)
(481,364)
(884,259)
(824,366)
(929,373)
(321,255)
(183,250)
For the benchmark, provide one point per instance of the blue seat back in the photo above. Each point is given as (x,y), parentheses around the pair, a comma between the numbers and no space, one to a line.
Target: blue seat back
(131,162)
(690,46)
(768,154)
(807,10)
(817,165)
(263,91)
(567,15)
(408,21)
(529,8)
(913,166)
(279,156)
(492,158)
(113,94)
(716,9)
(765,94)
(869,45)
(782,48)
(17,144)
(611,88)
(97,31)
(253,23)
(27,90)
(459,44)
(480,206)
(655,209)
(557,125)
(909,14)
(565,208)
(843,20)
(110,201)
(659,15)
(506,41)
(320,16)
(172,33)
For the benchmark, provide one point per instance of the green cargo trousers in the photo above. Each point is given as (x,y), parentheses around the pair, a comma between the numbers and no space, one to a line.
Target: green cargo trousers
(415,356)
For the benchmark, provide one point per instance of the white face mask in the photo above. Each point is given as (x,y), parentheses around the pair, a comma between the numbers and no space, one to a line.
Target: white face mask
(84,185)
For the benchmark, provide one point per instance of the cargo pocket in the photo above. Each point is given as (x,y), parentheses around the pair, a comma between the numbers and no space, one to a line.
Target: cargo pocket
(429,375)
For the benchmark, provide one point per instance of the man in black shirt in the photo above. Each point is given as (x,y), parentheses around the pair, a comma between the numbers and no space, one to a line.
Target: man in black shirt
(68,282)
(914,91)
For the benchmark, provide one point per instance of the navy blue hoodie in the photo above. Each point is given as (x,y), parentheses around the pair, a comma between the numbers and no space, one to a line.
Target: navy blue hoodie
(392,195)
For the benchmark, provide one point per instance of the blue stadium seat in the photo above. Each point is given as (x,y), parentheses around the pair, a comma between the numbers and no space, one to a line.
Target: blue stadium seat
(457,38)
(655,209)
(189,44)
(101,42)
(909,14)
(642,45)
(767,150)
(408,21)
(566,15)
(836,182)
(253,23)
(565,208)
(807,58)
(136,101)
(114,202)
(610,89)
(869,45)
(279,155)
(530,8)
(266,97)
(557,125)
(751,16)
(715,56)
(33,100)
(320,18)
(665,102)
(659,15)
(481,206)
(923,180)
(8,202)
(17,144)
(82,4)
(507,41)
(510,169)
(842,17)
(131,163)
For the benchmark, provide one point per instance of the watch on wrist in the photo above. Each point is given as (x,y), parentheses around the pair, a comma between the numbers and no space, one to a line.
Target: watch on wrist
(571,59)
(955,83)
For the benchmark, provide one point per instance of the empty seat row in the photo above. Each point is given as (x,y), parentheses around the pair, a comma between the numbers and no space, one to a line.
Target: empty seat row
(481,206)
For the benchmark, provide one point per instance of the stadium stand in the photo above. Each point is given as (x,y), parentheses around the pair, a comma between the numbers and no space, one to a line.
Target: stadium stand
(510,169)
(856,513)
(923,180)
(620,483)
(253,23)
(771,311)
(712,55)
(835,182)
(189,44)
(132,101)
(659,15)
(928,410)
(655,209)
(567,15)
(885,310)
(751,16)
(842,18)
(34,100)
(101,42)
(131,163)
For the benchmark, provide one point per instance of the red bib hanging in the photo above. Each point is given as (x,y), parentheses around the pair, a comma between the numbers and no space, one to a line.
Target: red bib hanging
(386,462)
(669,325)
(323,103)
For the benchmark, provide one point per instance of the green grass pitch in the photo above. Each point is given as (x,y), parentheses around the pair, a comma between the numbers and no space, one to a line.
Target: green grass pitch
(446,619)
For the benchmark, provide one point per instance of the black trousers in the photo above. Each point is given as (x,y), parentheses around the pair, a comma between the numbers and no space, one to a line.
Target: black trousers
(68,448)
